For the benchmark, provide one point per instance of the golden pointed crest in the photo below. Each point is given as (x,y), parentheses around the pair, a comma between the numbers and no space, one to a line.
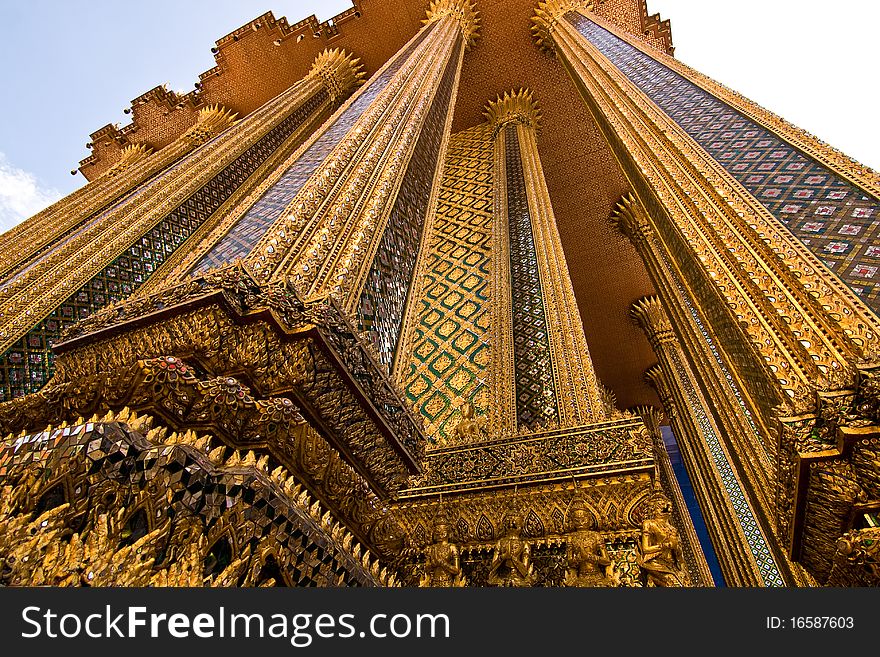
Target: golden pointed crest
(548,14)
(339,71)
(131,154)
(464,11)
(629,218)
(513,107)
(654,377)
(211,121)
(649,314)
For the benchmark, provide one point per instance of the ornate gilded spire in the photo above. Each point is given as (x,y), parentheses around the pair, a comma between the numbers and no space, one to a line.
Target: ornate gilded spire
(464,11)
(513,107)
(339,71)
(212,120)
(131,154)
(548,14)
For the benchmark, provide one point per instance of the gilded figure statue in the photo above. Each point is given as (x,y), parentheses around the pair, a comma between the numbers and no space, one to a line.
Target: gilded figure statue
(661,556)
(588,563)
(511,559)
(442,566)
(468,429)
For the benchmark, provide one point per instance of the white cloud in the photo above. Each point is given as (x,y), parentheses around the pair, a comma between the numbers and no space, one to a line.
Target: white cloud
(21,195)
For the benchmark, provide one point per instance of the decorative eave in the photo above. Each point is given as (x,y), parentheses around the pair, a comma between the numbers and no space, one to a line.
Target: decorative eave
(308,352)
(464,11)
(513,107)
(621,446)
(140,457)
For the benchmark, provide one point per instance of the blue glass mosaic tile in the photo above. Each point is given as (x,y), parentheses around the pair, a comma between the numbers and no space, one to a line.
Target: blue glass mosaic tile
(383,299)
(248,230)
(836,220)
(536,402)
(27,365)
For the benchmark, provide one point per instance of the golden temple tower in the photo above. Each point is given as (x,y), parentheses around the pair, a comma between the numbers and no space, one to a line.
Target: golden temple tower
(423,306)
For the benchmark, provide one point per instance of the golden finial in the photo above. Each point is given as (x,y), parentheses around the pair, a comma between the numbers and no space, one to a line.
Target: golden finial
(211,121)
(130,155)
(548,14)
(464,11)
(513,107)
(339,71)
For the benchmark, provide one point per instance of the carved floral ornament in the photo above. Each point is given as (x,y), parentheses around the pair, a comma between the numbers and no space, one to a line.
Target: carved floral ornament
(130,155)
(548,14)
(463,11)
(513,107)
(340,72)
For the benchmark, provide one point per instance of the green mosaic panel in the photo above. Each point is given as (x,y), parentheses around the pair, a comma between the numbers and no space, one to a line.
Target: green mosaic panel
(450,343)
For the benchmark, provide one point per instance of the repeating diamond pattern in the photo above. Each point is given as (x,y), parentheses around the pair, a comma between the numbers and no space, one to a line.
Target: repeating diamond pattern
(27,365)
(536,403)
(381,306)
(834,219)
(450,347)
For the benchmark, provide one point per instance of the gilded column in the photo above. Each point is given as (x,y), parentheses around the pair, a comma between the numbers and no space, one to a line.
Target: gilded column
(717,180)
(348,219)
(101,258)
(544,375)
(742,549)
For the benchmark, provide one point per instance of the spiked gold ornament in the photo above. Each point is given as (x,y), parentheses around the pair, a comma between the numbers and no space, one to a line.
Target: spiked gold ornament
(513,107)
(548,14)
(464,11)
(649,315)
(212,120)
(340,72)
(131,154)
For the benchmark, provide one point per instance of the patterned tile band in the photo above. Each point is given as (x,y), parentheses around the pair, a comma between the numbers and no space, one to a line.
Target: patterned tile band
(101,216)
(834,219)
(748,524)
(39,255)
(536,403)
(450,350)
(248,230)
(383,299)
(27,365)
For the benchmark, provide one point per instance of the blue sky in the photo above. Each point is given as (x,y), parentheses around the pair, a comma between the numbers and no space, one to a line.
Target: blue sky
(69,67)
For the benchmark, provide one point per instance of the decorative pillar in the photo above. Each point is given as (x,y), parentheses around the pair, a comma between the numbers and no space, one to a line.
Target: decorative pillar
(345,215)
(797,346)
(543,372)
(137,164)
(695,558)
(743,552)
(96,259)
